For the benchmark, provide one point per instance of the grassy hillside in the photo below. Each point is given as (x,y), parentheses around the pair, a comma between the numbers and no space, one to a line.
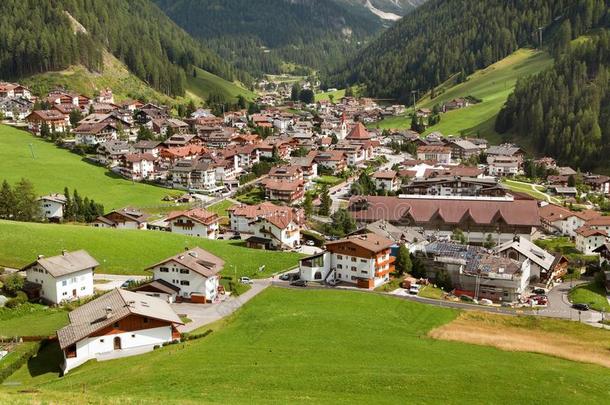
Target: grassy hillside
(115,76)
(51,169)
(288,346)
(493,85)
(129,251)
(200,87)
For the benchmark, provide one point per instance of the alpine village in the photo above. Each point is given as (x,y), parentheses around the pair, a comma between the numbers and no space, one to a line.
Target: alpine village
(321,201)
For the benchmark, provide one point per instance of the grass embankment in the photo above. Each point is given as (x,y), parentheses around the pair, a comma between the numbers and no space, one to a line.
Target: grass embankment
(302,345)
(206,84)
(567,248)
(220,208)
(130,251)
(429,291)
(493,85)
(536,191)
(52,168)
(565,339)
(592,294)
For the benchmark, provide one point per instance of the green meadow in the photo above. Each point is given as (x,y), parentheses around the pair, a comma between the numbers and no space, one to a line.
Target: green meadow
(288,346)
(121,251)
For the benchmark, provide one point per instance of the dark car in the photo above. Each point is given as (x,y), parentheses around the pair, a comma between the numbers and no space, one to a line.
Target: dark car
(580,307)
(236,237)
(128,283)
(299,283)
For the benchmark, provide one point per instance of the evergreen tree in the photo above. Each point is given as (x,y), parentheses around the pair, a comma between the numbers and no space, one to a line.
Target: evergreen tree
(26,202)
(403,262)
(68,207)
(45,131)
(7,201)
(294,92)
(308,205)
(325,203)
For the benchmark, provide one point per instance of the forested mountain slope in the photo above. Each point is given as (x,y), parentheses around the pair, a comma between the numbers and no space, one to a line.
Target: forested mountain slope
(566,109)
(39,36)
(259,36)
(447,37)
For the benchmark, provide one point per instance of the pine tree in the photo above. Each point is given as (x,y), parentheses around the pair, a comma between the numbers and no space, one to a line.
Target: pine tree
(403,262)
(308,205)
(26,202)
(68,207)
(325,203)
(7,201)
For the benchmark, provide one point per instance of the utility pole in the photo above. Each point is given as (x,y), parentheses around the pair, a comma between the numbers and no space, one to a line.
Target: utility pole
(540,36)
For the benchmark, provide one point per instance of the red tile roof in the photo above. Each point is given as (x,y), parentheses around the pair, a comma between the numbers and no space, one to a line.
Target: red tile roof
(200,215)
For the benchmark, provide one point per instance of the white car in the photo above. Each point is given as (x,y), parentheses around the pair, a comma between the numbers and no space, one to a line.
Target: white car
(414,290)
(245,280)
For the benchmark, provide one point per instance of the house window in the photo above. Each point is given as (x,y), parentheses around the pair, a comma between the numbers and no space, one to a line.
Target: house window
(64,283)
(184,271)
(101,340)
(339,257)
(353,259)
(362,260)
(185,282)
(163,269)
(133,335)
(353,268)
(145,320)
(339,266)
(65,293)
(82,288)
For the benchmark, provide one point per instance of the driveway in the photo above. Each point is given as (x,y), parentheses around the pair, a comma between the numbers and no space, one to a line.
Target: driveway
(114,281)
(204,314)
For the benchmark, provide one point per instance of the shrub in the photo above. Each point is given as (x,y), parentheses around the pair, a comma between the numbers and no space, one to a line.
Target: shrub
(600,279)
(13,283)
(187,336)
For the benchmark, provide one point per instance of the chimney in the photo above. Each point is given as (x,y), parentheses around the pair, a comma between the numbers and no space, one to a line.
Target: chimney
(108,312)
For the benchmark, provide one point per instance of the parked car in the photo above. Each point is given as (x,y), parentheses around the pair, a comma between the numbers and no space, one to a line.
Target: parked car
(485,301)
(580,306)
(246,280)
(236,237)
(414,289)
(539,291)
(299,283)
(310,243)
(128,283)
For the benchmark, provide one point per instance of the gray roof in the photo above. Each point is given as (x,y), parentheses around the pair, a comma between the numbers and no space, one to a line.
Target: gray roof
(197,260)
(528,249)
(58,198)
(66,263)
(503,150)
(109,308)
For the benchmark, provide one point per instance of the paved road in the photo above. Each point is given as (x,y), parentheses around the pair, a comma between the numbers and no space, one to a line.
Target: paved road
(560,307)
(203,314)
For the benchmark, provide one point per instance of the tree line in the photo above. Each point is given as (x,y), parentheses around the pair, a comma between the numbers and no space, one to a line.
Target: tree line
(19,202)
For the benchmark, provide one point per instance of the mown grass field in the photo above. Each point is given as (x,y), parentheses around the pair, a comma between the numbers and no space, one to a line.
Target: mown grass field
(325,96)
(493,85)
(129,251)
(31,320)
(206,83)
(288,346)
(536,191)
(52,168)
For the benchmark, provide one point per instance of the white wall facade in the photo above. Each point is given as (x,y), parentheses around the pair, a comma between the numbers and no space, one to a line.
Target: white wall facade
(187,280)
(198,230)
(89,348)
(65,288)
(51,209)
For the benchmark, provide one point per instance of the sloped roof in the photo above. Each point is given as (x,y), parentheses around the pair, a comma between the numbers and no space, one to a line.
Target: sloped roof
(109,308)
(528,249)
(66,263)
(200,215)
(359,132)
(198,260)
(369,241)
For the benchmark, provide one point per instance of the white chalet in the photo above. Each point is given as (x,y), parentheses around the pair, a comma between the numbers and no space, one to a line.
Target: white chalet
(119,322)
(195,222)
(195,272)
(66,277)
(52,206)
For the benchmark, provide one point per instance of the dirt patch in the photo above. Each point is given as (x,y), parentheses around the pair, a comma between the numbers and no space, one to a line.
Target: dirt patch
(567,340)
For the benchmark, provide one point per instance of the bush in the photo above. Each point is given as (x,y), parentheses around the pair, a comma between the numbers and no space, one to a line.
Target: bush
(187,336)
(12,303)
(13,283)
(600,279)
